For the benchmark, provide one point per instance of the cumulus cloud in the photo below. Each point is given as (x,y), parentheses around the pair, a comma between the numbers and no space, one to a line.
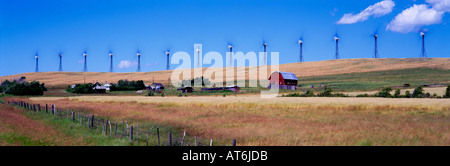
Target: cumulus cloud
(415,17)
(440,5)
(126,64)
(379,9)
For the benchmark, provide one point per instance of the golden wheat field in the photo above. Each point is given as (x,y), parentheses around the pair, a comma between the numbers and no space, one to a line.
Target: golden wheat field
(283,121)
(327,67)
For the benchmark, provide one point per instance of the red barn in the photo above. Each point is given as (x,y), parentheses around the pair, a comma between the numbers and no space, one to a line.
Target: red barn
(284,80)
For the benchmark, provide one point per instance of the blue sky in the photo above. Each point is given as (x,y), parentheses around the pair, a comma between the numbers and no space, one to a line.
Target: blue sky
(72,26)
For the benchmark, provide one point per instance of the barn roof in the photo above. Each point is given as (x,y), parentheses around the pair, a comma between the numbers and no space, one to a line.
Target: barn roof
(287,75)
(158,84)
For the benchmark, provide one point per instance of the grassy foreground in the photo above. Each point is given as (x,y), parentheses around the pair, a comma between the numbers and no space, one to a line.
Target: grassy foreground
(283,121)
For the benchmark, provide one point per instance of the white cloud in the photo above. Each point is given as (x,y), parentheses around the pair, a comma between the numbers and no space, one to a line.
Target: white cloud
(440,5)
(126,64)
(414,18)
(379,9)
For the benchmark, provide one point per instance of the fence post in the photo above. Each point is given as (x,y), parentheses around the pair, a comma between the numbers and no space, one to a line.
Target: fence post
(170,139)
(210,143)
(34,107)
(137,135)
(92,122)
(157,133)
(195,141)
(106,128)
(123,128)
(184,136)
(60,113)
(110,130)
(115,133)
(39,107)
(131,133)
(233,143)
(73,116)
(46,108)
(53,109)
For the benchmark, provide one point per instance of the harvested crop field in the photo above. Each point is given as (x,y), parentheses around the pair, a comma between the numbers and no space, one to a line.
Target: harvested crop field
(18,129)
(282,121)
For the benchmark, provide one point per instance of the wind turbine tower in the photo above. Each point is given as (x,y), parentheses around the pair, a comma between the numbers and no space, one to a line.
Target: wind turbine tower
(37,62)
(300,43)
(198,57)
(423,53)
(111,69)
(231,55)
(168,55)
(337,47)
(139,61)
(85,61)
(265,53)
(60,62)
(375,53)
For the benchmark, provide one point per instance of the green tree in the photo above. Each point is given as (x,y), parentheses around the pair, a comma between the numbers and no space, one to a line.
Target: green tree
(385,92)
(418,92)
(397,93)
(447,92)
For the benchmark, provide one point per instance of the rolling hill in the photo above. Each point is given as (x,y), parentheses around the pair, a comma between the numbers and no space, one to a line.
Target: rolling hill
(305,69)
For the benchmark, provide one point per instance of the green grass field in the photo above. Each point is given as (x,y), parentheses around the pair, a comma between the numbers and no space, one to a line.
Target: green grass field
(376,80)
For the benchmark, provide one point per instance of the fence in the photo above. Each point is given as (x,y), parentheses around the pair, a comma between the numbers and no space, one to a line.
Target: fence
(139,134)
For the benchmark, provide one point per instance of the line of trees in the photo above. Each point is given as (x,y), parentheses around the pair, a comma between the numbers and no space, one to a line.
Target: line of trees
(125,85)
(81,88)
(418,92)
(385,92)
(22,87)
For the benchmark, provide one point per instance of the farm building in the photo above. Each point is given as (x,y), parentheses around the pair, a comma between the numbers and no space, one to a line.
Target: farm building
(186,89)
(99,89)
(233,88)
(156,86)
(284,80)
(107,85)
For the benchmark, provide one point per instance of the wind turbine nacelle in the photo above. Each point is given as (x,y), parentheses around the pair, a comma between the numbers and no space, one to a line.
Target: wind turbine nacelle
(36,57)
(336,38)
(167,53)
(60,55)
(84,54)
(198,50)
(265,44)
(111,54)
(300,42)
(138,54)
(422,34)
(376,36)
(229,46)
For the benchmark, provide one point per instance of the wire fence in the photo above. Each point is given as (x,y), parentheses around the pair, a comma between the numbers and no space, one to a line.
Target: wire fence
(141,135)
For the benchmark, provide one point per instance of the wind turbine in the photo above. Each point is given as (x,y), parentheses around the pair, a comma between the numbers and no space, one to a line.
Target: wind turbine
(198,57)
(60,62)
(375,53)
(139,60)
(265,52)
(231,54)
(423,52)
(85,61)
(336,38)
(168,55)
(111,69)
(300,43)
(37,62)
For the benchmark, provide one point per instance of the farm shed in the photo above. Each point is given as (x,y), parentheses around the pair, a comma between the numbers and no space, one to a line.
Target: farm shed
(99,89)
(186,89)
(285,80)
(156,86)
(233,88)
